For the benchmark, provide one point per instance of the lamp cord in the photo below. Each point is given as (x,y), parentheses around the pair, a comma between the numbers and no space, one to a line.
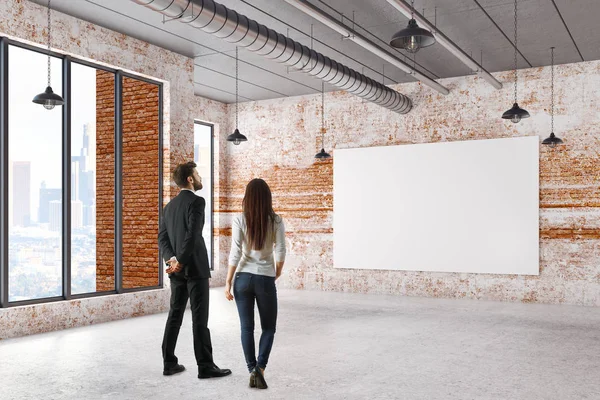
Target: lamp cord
(322,114)
(49,41)
(412,9)
(236,87)
(552,91)
(516,76)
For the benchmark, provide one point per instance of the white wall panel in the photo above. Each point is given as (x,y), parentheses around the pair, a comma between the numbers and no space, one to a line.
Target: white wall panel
(469,206)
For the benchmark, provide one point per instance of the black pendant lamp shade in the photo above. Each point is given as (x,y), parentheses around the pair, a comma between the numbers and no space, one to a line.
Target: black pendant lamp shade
(236,137)
(48,98)
(322,155)
(412,38)
(552,140)
(516,113)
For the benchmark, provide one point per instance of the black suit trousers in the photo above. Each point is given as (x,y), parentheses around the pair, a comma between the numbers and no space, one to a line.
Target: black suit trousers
(197,291)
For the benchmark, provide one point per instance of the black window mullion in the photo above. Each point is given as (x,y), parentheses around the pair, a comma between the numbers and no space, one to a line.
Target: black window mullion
(119,182)
(4,172)
(66,179)
(160,177)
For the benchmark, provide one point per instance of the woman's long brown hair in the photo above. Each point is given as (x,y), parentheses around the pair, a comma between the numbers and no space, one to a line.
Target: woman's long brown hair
(259,214)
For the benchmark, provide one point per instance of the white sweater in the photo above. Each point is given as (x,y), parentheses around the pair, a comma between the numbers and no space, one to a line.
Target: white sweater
(258,262)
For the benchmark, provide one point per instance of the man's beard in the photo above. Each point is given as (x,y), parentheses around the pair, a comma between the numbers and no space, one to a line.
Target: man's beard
(197,186)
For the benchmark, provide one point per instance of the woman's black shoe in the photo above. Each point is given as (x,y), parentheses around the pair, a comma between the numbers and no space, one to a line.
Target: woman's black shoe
(261,383)
(252,383)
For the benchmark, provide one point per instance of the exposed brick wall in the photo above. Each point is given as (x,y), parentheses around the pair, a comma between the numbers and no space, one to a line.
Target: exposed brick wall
(105,181)
(281,150)
(140,183)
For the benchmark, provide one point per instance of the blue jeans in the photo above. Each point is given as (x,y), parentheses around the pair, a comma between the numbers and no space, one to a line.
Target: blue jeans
(246,289)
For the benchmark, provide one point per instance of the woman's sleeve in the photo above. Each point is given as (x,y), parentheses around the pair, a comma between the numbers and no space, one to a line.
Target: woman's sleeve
(280,242)
(235,254)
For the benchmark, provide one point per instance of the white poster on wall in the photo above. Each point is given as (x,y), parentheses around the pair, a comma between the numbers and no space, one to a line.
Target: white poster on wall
(470,206)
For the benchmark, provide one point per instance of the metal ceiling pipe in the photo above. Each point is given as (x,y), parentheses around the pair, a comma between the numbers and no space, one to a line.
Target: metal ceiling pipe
(443,40)
(350,34)
(235,28)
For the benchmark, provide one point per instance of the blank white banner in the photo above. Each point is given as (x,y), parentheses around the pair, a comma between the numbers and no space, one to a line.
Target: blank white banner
(469,206)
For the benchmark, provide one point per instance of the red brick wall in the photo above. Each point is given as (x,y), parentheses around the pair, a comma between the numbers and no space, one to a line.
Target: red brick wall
(105,181)
(281,150)
(140,183)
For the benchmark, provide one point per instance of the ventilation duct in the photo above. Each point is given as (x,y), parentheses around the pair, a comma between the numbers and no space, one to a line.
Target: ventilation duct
(215,18)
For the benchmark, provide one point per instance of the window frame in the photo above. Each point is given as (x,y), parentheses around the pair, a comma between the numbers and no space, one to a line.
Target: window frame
(67,61)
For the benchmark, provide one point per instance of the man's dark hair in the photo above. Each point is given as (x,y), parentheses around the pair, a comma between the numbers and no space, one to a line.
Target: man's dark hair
(182,172)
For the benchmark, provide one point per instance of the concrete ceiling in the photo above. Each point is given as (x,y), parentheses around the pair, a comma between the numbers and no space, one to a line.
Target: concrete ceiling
(474,25)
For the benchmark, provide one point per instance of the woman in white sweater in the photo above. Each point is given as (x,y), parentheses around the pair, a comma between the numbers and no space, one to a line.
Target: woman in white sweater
(256,259)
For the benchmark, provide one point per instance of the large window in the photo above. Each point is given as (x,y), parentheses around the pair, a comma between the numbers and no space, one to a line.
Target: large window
(34,179)
(203,157)
(92,179)
(79,215)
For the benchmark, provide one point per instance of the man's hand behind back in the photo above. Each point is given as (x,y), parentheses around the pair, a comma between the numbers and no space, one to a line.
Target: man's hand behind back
(174,267)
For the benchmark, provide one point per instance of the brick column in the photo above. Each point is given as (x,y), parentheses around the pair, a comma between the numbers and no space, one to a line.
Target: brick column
(105,181)
(140,183)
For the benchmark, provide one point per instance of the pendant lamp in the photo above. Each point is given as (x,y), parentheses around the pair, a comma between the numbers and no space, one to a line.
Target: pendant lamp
(236,137)
(48,98)
(516,113)
(552,140)
(322,155)
(412,38)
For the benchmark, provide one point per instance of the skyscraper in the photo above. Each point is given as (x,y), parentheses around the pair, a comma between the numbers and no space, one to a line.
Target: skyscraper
(83,174)
(76,214)
(75,174)
(89,146)
(89,215)
(56,215)
(46,196)
(21,193)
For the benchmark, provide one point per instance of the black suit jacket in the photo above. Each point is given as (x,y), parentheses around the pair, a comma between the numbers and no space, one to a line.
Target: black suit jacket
(180,235)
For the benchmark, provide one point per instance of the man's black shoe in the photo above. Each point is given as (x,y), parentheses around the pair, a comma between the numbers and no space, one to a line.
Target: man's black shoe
(173,370)
(212,372)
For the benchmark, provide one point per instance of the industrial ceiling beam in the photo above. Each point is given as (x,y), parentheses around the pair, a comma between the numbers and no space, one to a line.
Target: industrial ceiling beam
(406,9)
(362,41)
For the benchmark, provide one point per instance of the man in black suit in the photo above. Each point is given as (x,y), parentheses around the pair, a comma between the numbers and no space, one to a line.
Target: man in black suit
(184,250)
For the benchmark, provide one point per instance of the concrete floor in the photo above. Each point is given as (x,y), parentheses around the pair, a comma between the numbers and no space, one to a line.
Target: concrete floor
(328,346)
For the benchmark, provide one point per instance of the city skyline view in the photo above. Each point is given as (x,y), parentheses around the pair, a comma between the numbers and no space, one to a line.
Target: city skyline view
(83,188)
(35,179)
(38,241)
